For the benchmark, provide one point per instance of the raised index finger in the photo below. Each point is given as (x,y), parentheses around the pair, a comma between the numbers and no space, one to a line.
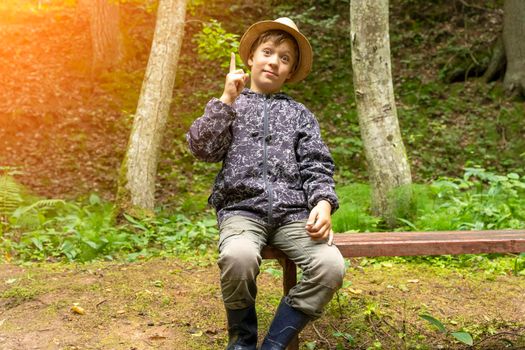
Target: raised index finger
(232,63)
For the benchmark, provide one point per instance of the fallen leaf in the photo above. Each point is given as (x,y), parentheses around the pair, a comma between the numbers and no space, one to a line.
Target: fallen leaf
(413,281)
(10,281)
(355,291)
(78,310)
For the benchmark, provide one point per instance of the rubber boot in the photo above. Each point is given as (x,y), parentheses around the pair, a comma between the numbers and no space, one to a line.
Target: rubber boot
(242,329)
(287,323)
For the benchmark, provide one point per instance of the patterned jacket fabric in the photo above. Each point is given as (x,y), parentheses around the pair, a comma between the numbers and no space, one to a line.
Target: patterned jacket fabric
(275,168)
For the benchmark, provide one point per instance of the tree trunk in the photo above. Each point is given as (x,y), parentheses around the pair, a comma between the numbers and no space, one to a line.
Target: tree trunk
(106,39)
(136,194)
(385,152)
(514,42)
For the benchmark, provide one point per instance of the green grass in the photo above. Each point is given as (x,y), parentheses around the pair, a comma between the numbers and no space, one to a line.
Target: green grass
(353,213)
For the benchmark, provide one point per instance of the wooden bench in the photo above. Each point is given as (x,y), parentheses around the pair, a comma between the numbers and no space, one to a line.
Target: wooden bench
(406,244)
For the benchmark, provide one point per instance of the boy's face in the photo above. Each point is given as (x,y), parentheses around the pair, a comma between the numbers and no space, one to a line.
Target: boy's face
(271,65)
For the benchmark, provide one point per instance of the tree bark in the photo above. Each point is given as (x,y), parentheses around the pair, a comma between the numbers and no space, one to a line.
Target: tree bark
(497,62)
(136,194)
(384,149)
(514,42)
(106,39)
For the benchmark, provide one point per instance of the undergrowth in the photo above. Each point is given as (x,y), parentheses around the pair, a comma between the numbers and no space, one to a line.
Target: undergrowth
(50,230)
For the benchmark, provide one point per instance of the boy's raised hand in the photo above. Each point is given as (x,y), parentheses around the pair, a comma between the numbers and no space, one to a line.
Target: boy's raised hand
(319,224)
(235,81)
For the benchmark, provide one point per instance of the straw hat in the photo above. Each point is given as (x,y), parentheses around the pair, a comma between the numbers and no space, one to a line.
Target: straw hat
(286,24)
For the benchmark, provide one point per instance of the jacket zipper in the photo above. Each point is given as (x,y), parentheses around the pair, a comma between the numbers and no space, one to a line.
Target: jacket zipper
(265,160)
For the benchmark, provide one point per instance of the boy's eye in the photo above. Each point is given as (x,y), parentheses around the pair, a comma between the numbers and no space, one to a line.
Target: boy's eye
(285,58)
(267,51)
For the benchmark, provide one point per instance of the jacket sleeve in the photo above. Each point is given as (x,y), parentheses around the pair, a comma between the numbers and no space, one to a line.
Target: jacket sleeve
(210,135)
(315,164)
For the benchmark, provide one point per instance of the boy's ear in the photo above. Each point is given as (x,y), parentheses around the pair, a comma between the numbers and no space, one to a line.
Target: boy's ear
(250,61)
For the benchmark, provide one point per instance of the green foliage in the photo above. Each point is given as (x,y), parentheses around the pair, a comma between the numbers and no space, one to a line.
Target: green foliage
(481,200)
(10,195)
(354,210)
(169,235)
(214,44)
(519,265)
(33,215)
(463,337)
(53,229)
(347,339)
(193,5)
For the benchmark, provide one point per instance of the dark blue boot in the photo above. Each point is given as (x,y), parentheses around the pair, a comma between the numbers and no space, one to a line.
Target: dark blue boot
(242,329)
(287,323)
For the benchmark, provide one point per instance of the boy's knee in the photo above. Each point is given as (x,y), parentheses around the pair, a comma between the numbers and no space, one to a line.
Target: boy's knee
(239,260)
(331,270)
(336,269)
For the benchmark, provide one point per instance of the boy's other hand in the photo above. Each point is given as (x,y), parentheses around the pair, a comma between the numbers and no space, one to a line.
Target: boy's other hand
(319,224)
(235,81)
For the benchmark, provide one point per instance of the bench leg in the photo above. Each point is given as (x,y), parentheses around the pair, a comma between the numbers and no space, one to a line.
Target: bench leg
(289,281)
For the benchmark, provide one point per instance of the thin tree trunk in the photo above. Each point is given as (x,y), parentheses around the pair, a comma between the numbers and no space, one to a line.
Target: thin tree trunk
(385,152)
(514,42)
(136,194)
(106,39)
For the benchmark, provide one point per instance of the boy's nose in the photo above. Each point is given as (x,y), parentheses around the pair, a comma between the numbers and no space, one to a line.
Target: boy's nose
(274,60)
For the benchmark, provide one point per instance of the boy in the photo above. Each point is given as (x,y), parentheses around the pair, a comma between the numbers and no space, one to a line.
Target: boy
(275,186)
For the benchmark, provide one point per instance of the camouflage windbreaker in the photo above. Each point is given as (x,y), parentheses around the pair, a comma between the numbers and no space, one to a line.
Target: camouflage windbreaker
(275,166)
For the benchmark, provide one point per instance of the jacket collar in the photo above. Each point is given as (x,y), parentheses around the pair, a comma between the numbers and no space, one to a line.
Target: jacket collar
(251,94)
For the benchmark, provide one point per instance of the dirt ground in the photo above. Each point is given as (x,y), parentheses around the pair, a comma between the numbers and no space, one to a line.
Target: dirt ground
(175,304)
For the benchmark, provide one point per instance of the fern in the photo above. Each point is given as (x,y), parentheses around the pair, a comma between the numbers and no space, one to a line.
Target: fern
(10,195)
(31,216)
(41,204)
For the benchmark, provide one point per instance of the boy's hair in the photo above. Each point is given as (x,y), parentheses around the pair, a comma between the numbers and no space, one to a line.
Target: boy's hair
(278,37)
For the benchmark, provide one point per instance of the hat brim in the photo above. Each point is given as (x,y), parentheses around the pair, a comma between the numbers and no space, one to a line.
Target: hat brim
(304,66)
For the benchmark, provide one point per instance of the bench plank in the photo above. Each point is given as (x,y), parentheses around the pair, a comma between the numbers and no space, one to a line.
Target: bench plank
(422,243)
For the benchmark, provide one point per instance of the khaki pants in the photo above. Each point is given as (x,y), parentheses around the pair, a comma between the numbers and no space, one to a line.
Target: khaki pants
(241,240)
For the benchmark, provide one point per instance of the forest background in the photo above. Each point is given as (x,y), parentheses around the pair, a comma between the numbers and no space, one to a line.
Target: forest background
(63,135)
